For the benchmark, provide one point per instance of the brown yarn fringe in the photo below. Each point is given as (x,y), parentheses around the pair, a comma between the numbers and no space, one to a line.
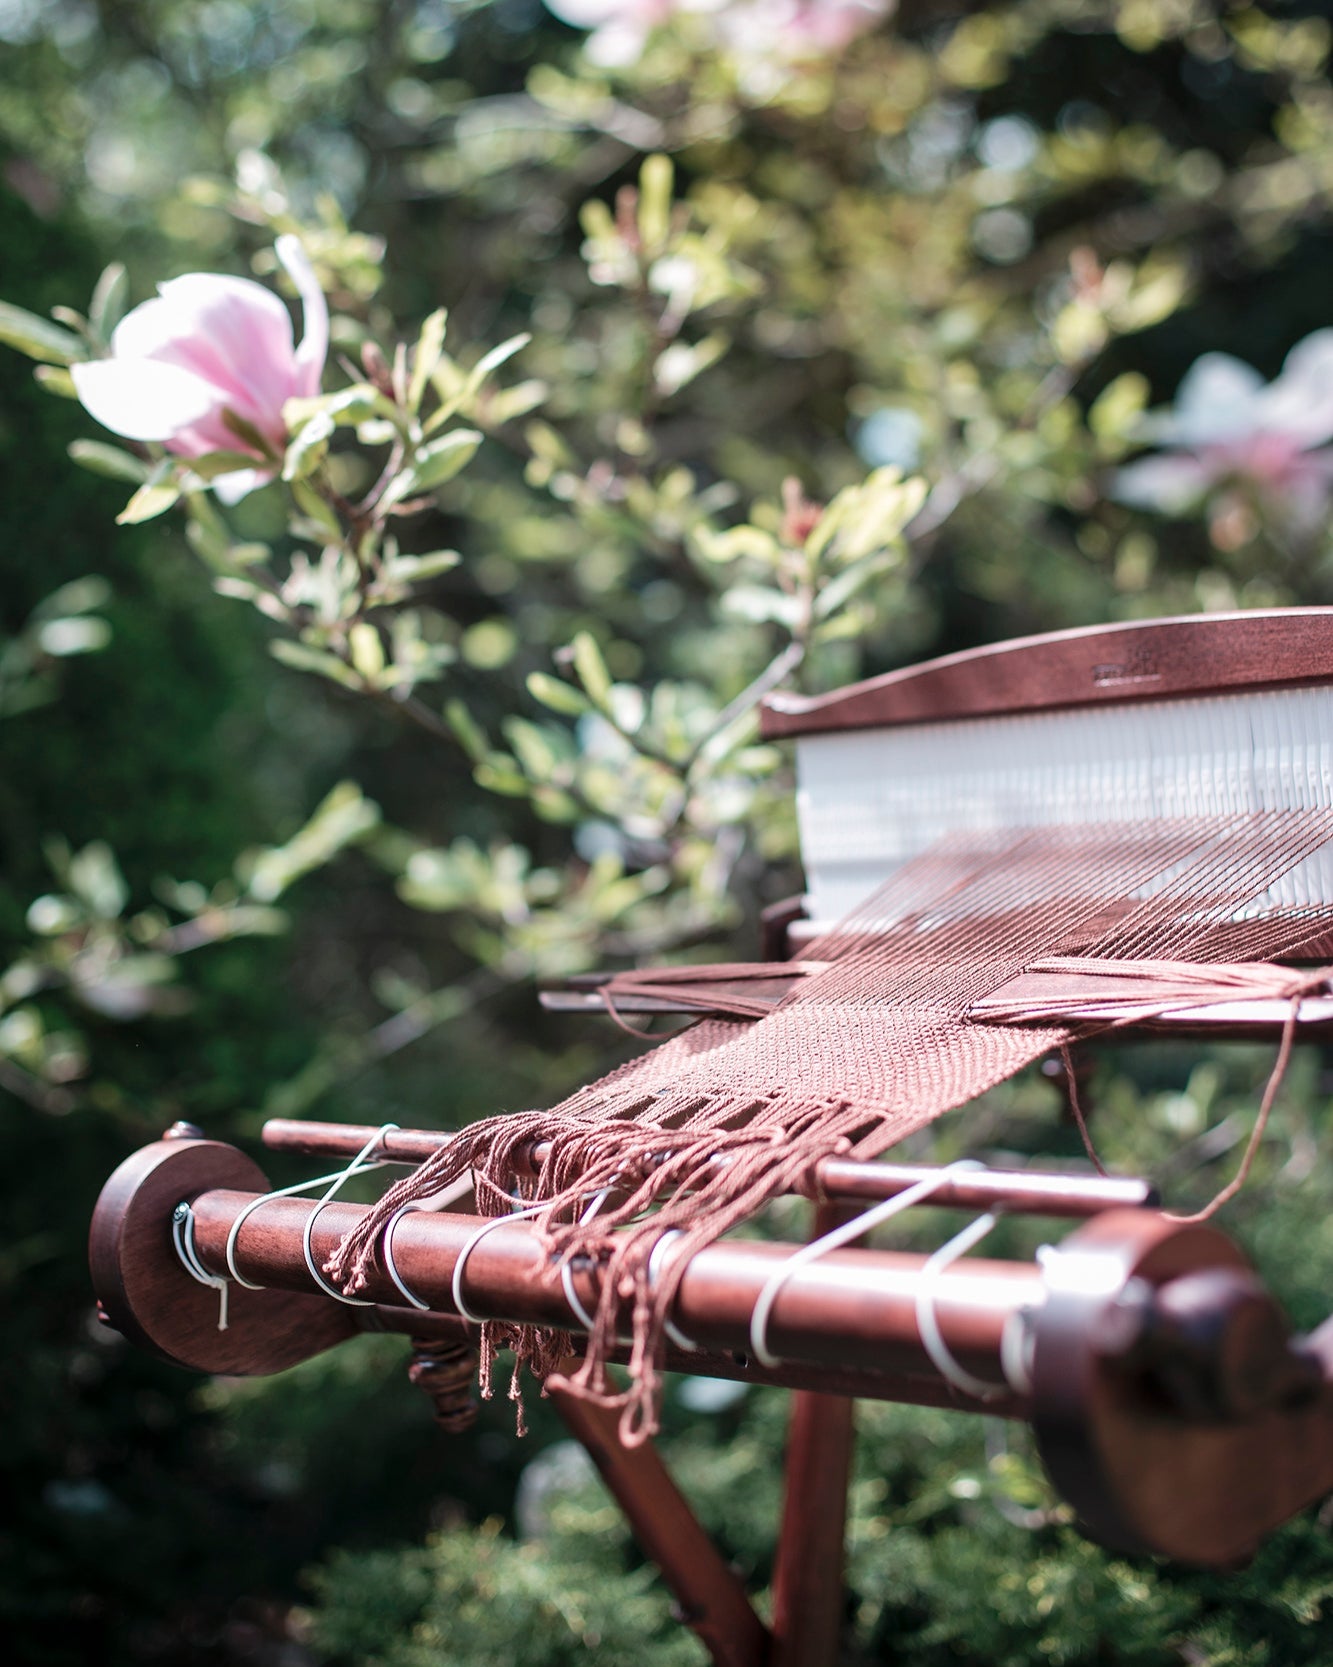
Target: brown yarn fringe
(700,1133)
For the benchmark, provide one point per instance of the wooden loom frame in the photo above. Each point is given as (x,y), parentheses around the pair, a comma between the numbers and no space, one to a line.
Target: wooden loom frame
(1155,1353)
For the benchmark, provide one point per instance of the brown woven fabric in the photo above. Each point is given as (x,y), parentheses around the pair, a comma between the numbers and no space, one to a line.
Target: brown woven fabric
(860,1054)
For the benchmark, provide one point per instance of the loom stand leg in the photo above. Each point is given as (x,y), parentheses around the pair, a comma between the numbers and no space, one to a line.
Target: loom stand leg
(808,1574)
(708,1594)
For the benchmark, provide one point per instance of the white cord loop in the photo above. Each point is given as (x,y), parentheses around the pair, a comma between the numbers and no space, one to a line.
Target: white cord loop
(834,1240)
(386,1252)
(456,1285)
(670,1327)
(182,1236)
(358,1166)
(572,1297)
(942,1356)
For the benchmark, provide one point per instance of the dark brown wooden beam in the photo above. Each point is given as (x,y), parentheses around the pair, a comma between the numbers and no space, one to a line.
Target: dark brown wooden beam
(1018,1191)
(1097,665)
(709,1597)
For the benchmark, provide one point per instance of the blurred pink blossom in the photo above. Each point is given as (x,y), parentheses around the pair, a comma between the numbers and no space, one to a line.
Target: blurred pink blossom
(1229,427)
(795,29)
(783,30)
(203,346)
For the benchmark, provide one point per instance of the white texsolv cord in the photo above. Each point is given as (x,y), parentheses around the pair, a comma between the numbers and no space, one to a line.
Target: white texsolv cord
(456,1284)
(359,1164)
(941,1355)
(182,1236)
(669,1326)
(847,1233)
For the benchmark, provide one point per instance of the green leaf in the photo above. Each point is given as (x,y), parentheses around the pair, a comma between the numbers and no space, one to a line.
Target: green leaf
(468,731)
(302,658)
(110,461)
(759,603)
(557,695)
(367,650)
(430,345)
(63,637)
(852,580)
(489,644)
(864,518)
(491,362)
(1119,406)
(507,404)
(591,670)
(157,494)
(79,596)
(443,458)
(38,337)
(498,773)
(533,748)
(312,505)
(410,570)
(243,590)
(656,181)
(552,804)
(341,819)
(433,465)
(309,447)
(347,407)
(57,381)
(679,364)
(108,303)
(95,877)
(736,542)
(215,463)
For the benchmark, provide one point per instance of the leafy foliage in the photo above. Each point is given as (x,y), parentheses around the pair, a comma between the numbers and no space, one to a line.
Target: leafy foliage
(653,387)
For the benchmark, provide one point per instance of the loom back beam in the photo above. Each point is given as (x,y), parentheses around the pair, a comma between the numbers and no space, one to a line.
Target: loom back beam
(1171,1405)
(1032,1192)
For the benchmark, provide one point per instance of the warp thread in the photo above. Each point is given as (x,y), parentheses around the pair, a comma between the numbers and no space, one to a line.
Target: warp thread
(697,1135)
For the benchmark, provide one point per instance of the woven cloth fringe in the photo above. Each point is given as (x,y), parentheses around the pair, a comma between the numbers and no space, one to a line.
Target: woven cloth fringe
(702,1131)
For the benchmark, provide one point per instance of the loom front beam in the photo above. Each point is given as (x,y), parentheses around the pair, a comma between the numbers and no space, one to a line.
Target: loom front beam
(1171,1405)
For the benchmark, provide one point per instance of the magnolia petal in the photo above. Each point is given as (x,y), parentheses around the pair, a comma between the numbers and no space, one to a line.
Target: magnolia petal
(1300,401)
(1219,399)
(314,348)
(142,399)
(1170,484)
(232,331)
(585,14)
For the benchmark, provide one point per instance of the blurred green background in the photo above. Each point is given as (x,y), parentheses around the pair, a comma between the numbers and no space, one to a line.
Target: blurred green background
(975,243)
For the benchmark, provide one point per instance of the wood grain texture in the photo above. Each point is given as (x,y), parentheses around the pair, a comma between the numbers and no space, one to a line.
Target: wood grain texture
(1118,1387)
(808,1571)
(148,1296)
(1031,1191)
(1096,665)
(855,1309)
(709,1596)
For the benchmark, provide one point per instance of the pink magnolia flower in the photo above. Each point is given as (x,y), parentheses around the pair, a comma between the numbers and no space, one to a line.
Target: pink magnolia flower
(771,30)
(206,345)
(620,28)
(1229,427)
(792,30)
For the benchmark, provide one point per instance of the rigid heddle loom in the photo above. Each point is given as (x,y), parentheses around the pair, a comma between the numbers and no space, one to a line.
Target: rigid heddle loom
(1007,852)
